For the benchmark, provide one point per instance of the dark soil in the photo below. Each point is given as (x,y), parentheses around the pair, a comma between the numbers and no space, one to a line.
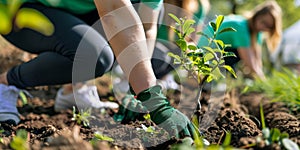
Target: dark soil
(220,113)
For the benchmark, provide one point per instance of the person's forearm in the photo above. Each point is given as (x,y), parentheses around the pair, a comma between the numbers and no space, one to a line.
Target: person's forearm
(249,59)
(149,19)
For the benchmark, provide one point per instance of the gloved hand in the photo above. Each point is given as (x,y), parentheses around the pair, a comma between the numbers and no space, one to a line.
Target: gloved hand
(130,109)
(164,115)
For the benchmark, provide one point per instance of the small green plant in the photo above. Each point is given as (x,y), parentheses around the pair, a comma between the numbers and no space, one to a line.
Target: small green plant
(200,146)
(82,117)
(19,142)
(204,63)
(274,135)
(149,129)
(10,13)
(98,136)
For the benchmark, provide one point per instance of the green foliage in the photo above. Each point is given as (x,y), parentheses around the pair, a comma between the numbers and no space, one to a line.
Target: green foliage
(225,146)
(23,18)
(281,86)
(204,63)
(19,142)
(82,117)
(98,136)
(274,135)
(201,61)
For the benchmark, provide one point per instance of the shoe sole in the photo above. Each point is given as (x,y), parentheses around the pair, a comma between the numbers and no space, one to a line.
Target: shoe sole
(9,117)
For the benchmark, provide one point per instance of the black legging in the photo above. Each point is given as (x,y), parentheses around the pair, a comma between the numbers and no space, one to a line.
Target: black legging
(75,50)
(57,53)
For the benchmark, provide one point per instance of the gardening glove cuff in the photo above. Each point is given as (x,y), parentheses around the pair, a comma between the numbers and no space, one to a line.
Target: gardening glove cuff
(163,114)
(156,103)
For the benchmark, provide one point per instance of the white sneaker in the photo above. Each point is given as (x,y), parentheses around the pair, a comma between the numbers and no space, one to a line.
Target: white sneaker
(169,83)
(8,104)
(83,98)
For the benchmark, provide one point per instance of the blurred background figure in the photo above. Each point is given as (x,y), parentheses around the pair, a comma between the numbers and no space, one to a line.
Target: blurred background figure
(262,25)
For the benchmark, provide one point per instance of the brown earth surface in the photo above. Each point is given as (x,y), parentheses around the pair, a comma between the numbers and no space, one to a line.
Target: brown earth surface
(220,113)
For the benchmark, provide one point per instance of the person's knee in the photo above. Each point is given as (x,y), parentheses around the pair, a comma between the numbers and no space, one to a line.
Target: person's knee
(105,61)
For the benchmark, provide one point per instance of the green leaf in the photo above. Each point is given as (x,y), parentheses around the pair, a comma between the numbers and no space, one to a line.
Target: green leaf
(220,43)
(22,133)
(289,144)
(176,31)
(229,68)
(227,30)
(147,116)
(182,44)
(284,135)
(208,57)
(275,135)
(219,21)
(6,21)
(228,54)
(175,18)
(150,129)
(210,50)
(218,72)
(177,59)
(213,25)
(102,137)
(33,19)
(19,144)
(209,78)
(186,25)
(192,47)
(189,31)
(227,140)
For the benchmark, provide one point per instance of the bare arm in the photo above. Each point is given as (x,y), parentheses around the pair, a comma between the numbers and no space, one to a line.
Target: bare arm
(149,19)
(251,60)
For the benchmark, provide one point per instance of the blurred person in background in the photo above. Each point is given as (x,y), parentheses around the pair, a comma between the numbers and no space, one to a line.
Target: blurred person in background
(263,24)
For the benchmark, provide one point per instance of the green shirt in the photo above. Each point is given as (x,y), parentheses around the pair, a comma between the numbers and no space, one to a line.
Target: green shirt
(85,6)
(240,38)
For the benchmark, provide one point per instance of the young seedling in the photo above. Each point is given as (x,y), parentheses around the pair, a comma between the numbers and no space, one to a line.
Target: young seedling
(82,117)
(199,145)
(19,142)
(203,63)
(98,136)
(274,135)
(150,129)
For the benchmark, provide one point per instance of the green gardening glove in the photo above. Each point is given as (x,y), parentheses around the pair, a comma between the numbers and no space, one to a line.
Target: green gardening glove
(164,115)
(130,109)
